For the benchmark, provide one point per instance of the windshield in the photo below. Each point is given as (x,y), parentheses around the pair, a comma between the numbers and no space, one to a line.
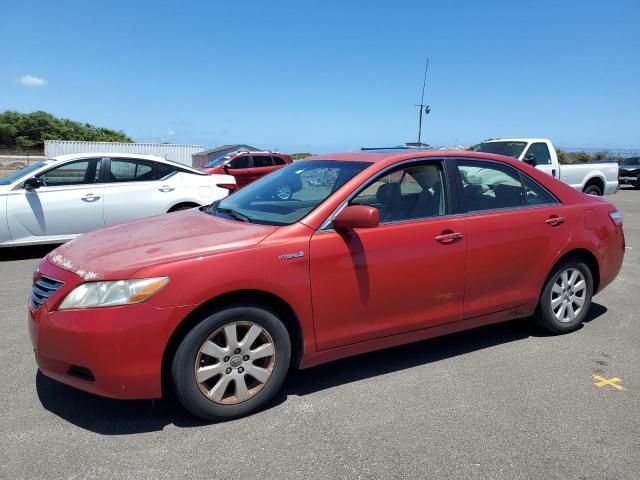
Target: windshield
(215,162)
(631,161)
(288,194)
(508,149)
(9,179)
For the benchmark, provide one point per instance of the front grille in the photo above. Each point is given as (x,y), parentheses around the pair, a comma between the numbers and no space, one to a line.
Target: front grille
(42,289)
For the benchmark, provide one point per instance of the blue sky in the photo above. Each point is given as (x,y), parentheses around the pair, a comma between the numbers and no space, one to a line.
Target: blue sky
(328,75)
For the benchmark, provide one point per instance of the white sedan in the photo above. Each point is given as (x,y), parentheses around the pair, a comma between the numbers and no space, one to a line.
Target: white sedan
(60,198)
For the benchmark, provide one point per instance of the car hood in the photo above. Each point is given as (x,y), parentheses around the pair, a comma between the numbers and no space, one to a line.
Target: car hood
(630,169)
(119,251)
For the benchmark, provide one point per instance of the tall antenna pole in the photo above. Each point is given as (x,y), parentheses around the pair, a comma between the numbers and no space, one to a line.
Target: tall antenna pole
(422,107)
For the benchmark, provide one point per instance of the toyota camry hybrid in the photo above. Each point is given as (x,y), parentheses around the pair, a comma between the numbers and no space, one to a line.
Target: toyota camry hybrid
(371,250)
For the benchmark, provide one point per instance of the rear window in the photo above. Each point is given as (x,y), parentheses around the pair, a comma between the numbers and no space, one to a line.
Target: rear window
(508,149)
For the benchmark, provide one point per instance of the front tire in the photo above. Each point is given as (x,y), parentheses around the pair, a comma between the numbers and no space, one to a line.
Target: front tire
(566,297)
(232,363)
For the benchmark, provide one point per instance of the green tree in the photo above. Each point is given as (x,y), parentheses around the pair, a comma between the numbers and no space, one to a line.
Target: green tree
(30,130)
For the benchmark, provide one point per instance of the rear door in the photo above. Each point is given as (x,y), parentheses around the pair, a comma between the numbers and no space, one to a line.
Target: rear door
(515,229)
(132,190)
(69,202)
(262,165)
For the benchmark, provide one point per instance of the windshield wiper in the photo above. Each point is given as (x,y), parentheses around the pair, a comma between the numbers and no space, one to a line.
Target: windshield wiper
(232,213)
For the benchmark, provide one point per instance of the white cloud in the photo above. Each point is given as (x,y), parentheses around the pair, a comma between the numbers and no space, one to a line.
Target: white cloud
(31,81)
(171,132)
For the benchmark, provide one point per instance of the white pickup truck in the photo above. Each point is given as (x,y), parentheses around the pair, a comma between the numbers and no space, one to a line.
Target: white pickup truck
(599,178)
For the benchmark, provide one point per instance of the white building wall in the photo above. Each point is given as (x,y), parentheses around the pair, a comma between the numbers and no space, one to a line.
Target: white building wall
(176,152)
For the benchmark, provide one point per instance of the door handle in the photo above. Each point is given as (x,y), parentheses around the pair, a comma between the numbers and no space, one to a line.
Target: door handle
(166,188)
(554,220)
(90,197)
(448,237)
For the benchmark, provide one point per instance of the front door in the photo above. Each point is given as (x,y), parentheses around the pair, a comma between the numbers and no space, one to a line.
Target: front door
(540,152)
(69,202)
(240,168)
(406,274)
(515,228)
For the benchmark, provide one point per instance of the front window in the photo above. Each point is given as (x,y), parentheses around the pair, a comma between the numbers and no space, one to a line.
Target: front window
(411,192)
(289,194)
(23,172)
(508,149)
(216,161)
(631,161)
(79,172)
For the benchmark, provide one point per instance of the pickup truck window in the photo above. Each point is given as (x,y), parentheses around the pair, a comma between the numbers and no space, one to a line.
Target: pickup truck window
(508,149)
(540,152)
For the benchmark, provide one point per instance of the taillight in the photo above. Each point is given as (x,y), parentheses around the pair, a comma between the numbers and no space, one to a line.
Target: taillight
(229,186)
(616,217)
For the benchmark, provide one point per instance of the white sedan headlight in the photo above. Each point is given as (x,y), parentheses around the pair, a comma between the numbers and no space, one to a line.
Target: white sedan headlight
(109,294)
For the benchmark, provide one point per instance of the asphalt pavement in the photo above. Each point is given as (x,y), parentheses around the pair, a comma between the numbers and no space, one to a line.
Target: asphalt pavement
(503,402)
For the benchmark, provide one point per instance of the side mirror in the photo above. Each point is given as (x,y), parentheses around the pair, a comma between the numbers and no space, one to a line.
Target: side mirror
(225,166)
(32,183)
(530,158)
(357,216)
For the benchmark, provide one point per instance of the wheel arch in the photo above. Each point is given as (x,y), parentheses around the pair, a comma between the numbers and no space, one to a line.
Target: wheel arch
(186,204)
(259,298)
(595,180)
(589,259)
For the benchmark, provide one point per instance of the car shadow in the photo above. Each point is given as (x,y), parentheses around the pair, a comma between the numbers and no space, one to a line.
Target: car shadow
(25,253)
(125,417)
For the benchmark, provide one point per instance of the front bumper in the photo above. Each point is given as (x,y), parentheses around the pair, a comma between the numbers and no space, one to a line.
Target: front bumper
(114,351)
(628,180)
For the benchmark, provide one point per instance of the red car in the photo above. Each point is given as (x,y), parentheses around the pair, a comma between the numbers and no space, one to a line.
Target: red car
(247,167)
(372,250)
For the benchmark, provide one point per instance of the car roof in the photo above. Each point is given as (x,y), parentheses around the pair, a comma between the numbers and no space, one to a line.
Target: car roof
(517,139)
(76,156)
(134,156)
(391,157)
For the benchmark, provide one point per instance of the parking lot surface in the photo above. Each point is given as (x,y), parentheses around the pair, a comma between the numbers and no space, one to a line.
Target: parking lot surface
(504,402)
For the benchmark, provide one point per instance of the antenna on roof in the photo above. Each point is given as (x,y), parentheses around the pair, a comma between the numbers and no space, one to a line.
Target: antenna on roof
(423,109)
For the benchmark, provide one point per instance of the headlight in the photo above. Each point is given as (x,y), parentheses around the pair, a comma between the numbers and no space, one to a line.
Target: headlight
(109,294)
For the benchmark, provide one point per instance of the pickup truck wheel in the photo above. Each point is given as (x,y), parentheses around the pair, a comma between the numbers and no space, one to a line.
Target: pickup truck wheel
(231,363)
(593,190)
(566,297)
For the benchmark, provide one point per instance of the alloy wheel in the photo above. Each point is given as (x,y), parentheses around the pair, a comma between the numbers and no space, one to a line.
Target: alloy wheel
(235,363)
(284,192)
(568,295)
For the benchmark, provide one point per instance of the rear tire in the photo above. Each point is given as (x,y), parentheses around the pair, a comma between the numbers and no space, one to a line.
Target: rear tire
(232,363)
(593,190)
(566,297)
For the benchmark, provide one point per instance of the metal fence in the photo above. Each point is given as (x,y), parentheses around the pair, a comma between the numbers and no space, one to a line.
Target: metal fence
(614,152)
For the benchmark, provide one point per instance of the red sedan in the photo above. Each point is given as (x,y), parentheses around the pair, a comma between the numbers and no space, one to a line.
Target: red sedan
(372,250)
(247,167)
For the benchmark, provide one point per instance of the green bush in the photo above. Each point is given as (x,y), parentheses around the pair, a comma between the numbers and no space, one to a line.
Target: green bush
(30,130)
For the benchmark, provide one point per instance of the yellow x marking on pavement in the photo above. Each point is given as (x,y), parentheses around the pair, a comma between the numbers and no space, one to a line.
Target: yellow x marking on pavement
(601,382)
